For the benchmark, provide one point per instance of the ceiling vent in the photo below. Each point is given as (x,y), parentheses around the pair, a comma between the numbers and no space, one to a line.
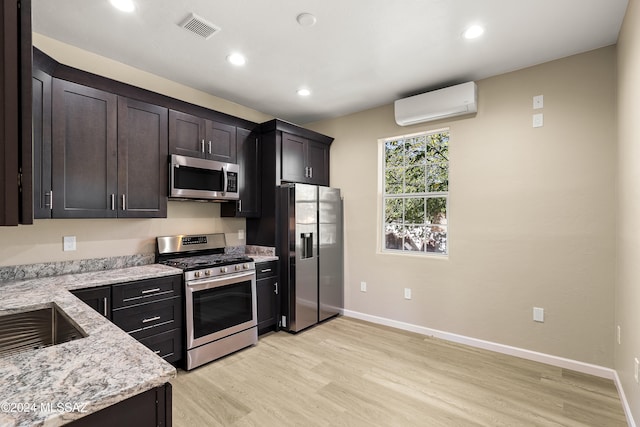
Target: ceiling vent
(199,26)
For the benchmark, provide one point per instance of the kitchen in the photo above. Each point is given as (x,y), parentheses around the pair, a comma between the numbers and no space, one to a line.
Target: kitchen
(486,288)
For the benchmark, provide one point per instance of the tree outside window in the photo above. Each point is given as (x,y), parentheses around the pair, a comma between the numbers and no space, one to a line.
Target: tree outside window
(415,193)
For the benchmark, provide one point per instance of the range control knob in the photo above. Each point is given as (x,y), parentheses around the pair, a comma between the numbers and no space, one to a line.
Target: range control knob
(197,274)
(238,267)
(245,266)
(207,273)
(223,269)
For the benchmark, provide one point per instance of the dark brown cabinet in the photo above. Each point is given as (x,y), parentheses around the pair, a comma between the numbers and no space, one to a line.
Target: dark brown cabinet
(267,295)
(97,298)
(152,408)
(194,136)
(142,159)
(249,179)
(109,156)
(304,160)
(150,311)
(16,205)
(41,118)
(84,151)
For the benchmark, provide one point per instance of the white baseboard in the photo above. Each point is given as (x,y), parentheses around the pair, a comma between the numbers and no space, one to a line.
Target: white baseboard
(561,362)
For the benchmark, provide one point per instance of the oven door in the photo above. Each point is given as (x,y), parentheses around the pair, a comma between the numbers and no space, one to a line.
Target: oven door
(218,307)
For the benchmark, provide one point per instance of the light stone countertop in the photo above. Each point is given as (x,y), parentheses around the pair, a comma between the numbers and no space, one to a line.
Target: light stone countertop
(262,258)
(87,374)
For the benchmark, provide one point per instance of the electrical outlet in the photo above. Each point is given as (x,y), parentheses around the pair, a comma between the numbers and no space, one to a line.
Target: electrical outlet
(538,102)
(619,335)
(635,369)
(407,293)
(538,120)
(538,314)
(69,243)
(363,286)
(240,234)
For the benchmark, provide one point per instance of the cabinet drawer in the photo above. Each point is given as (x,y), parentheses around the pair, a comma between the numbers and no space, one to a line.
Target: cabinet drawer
(148,319)
(266,269)
(167,345)
(142,291)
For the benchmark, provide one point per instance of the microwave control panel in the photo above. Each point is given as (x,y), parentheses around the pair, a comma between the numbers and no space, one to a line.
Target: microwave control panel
(232,182)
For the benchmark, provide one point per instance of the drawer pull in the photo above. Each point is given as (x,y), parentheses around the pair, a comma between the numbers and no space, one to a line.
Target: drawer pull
(266,270)
(148,291)
(157,352)
(150,319)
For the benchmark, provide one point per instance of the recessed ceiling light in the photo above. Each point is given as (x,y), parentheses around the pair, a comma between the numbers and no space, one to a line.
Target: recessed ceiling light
(237,59)
(124,5)
(304,92)
(473,32)
(306,19)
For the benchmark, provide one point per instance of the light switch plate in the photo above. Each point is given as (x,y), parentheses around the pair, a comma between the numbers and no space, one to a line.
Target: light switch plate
(407,293)
(538,120)
(538,314)
(240,234)
(69,243)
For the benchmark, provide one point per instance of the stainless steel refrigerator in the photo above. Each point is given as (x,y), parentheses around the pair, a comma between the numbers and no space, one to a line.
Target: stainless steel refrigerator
(311,251)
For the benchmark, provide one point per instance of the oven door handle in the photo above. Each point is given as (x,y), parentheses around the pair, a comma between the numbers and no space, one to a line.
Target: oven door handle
(209,283)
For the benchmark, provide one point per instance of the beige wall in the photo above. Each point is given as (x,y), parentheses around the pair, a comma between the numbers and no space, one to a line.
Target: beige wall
(111,237)
(627,303)
(532,214)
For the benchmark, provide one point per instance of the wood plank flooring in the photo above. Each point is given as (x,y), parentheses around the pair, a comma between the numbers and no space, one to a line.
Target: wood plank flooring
(346,372)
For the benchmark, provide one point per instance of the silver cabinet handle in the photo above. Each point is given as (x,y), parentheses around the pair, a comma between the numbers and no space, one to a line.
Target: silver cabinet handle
(157,352)
(275,291)
(266,270)
(239,205)
(310,172)
(306,172)
(113,202)
(124,202)
(48,194)
(202,145)
(150,319)
(148,291)
(104,307)
(209,147)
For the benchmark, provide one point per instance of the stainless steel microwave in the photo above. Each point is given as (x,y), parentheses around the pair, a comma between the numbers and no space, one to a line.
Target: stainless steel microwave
(202,179)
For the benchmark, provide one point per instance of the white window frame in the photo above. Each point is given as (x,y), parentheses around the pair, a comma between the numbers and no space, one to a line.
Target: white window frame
(382,198)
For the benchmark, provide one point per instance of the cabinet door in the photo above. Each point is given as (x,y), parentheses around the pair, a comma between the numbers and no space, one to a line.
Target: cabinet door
(249,180)
(84,141)
(143,165)
(186,134)
(265,291)
(317,156)
(97,298)
(16,198)
(220,142)
(41,125)
(293,158)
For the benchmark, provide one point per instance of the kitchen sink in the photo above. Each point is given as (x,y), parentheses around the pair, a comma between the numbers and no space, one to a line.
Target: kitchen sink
(36,329)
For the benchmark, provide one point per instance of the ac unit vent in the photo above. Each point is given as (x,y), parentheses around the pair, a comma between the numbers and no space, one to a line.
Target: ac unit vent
(199,26)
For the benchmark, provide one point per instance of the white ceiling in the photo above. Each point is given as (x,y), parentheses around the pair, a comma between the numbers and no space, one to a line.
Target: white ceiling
(360,53)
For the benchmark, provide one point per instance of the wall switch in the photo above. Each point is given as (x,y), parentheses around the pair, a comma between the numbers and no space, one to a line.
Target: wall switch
(407,293)
(240,234)
(69,243)
(618,335)
(538,120)
(635,369)
(363,286)
(538,314)
(538,102)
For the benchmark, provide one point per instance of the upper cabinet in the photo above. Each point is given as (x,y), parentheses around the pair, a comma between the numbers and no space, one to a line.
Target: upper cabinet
(249,180)
(194,136)
(15,113)
(108,156)
(304,160)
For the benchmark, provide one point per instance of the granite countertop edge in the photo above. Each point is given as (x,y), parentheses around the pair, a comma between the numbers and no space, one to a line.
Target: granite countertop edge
(92,373)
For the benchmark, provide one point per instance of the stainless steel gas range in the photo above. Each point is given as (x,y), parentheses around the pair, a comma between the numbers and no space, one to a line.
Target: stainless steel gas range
(220,295)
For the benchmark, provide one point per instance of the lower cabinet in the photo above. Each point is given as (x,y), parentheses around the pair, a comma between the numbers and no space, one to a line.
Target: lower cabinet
(151,408)
(149,310)
(97,298)
(267,295)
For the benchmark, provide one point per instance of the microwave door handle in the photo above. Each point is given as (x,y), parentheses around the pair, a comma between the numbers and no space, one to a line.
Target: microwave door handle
(224,184)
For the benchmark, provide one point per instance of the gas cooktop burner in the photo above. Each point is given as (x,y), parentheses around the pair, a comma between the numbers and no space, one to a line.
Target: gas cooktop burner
(205,261)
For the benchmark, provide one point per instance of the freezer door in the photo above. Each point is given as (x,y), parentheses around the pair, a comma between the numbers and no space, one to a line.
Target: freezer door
(330,256)
(304,289)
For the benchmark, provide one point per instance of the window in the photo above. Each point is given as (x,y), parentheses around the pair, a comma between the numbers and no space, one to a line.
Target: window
(415,193)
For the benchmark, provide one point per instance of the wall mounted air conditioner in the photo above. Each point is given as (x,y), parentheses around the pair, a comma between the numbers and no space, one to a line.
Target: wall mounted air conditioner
(439,104)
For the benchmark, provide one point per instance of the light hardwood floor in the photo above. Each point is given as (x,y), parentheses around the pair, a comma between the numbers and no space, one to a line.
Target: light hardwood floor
(346,372)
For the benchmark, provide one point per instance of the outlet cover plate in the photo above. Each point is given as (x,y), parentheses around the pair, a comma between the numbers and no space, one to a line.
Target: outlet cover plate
(69,243)
(407,293)
(538,314)
(363,286)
